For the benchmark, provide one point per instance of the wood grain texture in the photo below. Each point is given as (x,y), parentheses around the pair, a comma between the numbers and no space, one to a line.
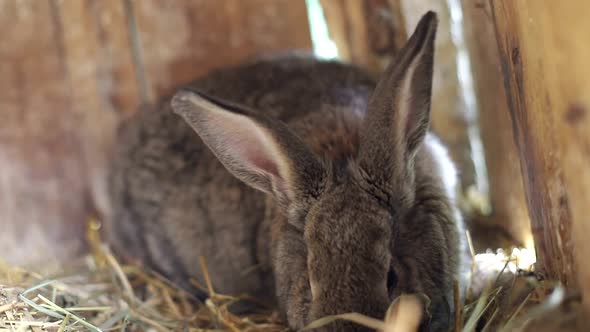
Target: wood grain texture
(42,197)
(367,33)
(509,209)
(544,59)
(71,70)
(210,34)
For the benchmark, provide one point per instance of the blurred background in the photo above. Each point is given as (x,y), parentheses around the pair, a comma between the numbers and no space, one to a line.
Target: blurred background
(508,101)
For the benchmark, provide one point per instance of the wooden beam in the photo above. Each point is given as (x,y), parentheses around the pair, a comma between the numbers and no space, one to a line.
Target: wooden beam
(368,32)
(544,57)
(42,178)
(509,209)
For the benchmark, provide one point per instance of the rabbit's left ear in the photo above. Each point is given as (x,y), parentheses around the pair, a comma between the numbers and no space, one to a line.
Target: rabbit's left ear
(399,109)
(261,152)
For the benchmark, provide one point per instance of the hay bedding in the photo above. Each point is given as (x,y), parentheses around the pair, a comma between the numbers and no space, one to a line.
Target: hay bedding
(99,294)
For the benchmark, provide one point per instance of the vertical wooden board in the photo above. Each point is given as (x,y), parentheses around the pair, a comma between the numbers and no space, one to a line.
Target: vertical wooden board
(509,209)
(183,40)
(338,26)
(67,66)
(102,82)
(41,178)
(568,52)
(399,24)
(529,37)
(116,66)
(367,33)
(346,22)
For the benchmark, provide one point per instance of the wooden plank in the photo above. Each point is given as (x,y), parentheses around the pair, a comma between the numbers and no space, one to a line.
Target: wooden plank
(184,39)
(41,183)
(69,78)
(544,62)
(509,209)
(367,33)
(102,84)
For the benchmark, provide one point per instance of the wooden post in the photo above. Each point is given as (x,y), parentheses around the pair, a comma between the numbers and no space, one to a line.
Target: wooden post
(367,33)
(509,209)
(544,57)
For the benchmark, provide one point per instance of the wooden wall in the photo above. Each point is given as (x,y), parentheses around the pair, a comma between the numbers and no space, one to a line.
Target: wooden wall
(367,33)
(509,209)
(544,53)
(71,70)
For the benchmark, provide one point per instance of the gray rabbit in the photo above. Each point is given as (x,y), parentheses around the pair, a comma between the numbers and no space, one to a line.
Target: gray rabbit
(301,181)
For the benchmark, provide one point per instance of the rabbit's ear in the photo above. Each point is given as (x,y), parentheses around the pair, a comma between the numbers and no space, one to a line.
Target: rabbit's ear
(399,109)
(263,153)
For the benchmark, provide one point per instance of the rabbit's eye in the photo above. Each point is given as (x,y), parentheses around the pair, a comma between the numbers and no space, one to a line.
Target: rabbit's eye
(391,281)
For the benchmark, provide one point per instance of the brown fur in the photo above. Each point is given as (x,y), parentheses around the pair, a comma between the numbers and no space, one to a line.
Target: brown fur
(357,209)
(333,132)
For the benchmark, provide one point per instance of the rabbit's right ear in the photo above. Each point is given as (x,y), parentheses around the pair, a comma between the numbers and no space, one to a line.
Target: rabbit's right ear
(399,109)
(261,152)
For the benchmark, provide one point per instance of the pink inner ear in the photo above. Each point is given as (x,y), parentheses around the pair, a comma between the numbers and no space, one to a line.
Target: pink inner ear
(249,145)
(260,161)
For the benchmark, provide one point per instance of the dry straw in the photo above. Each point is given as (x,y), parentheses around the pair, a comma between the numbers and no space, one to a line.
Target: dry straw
(101,294)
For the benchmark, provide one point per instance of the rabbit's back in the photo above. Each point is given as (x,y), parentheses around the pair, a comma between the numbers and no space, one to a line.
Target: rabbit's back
(173,200)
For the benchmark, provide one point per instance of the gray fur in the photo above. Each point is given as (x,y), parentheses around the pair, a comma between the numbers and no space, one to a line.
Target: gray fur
(350,192)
